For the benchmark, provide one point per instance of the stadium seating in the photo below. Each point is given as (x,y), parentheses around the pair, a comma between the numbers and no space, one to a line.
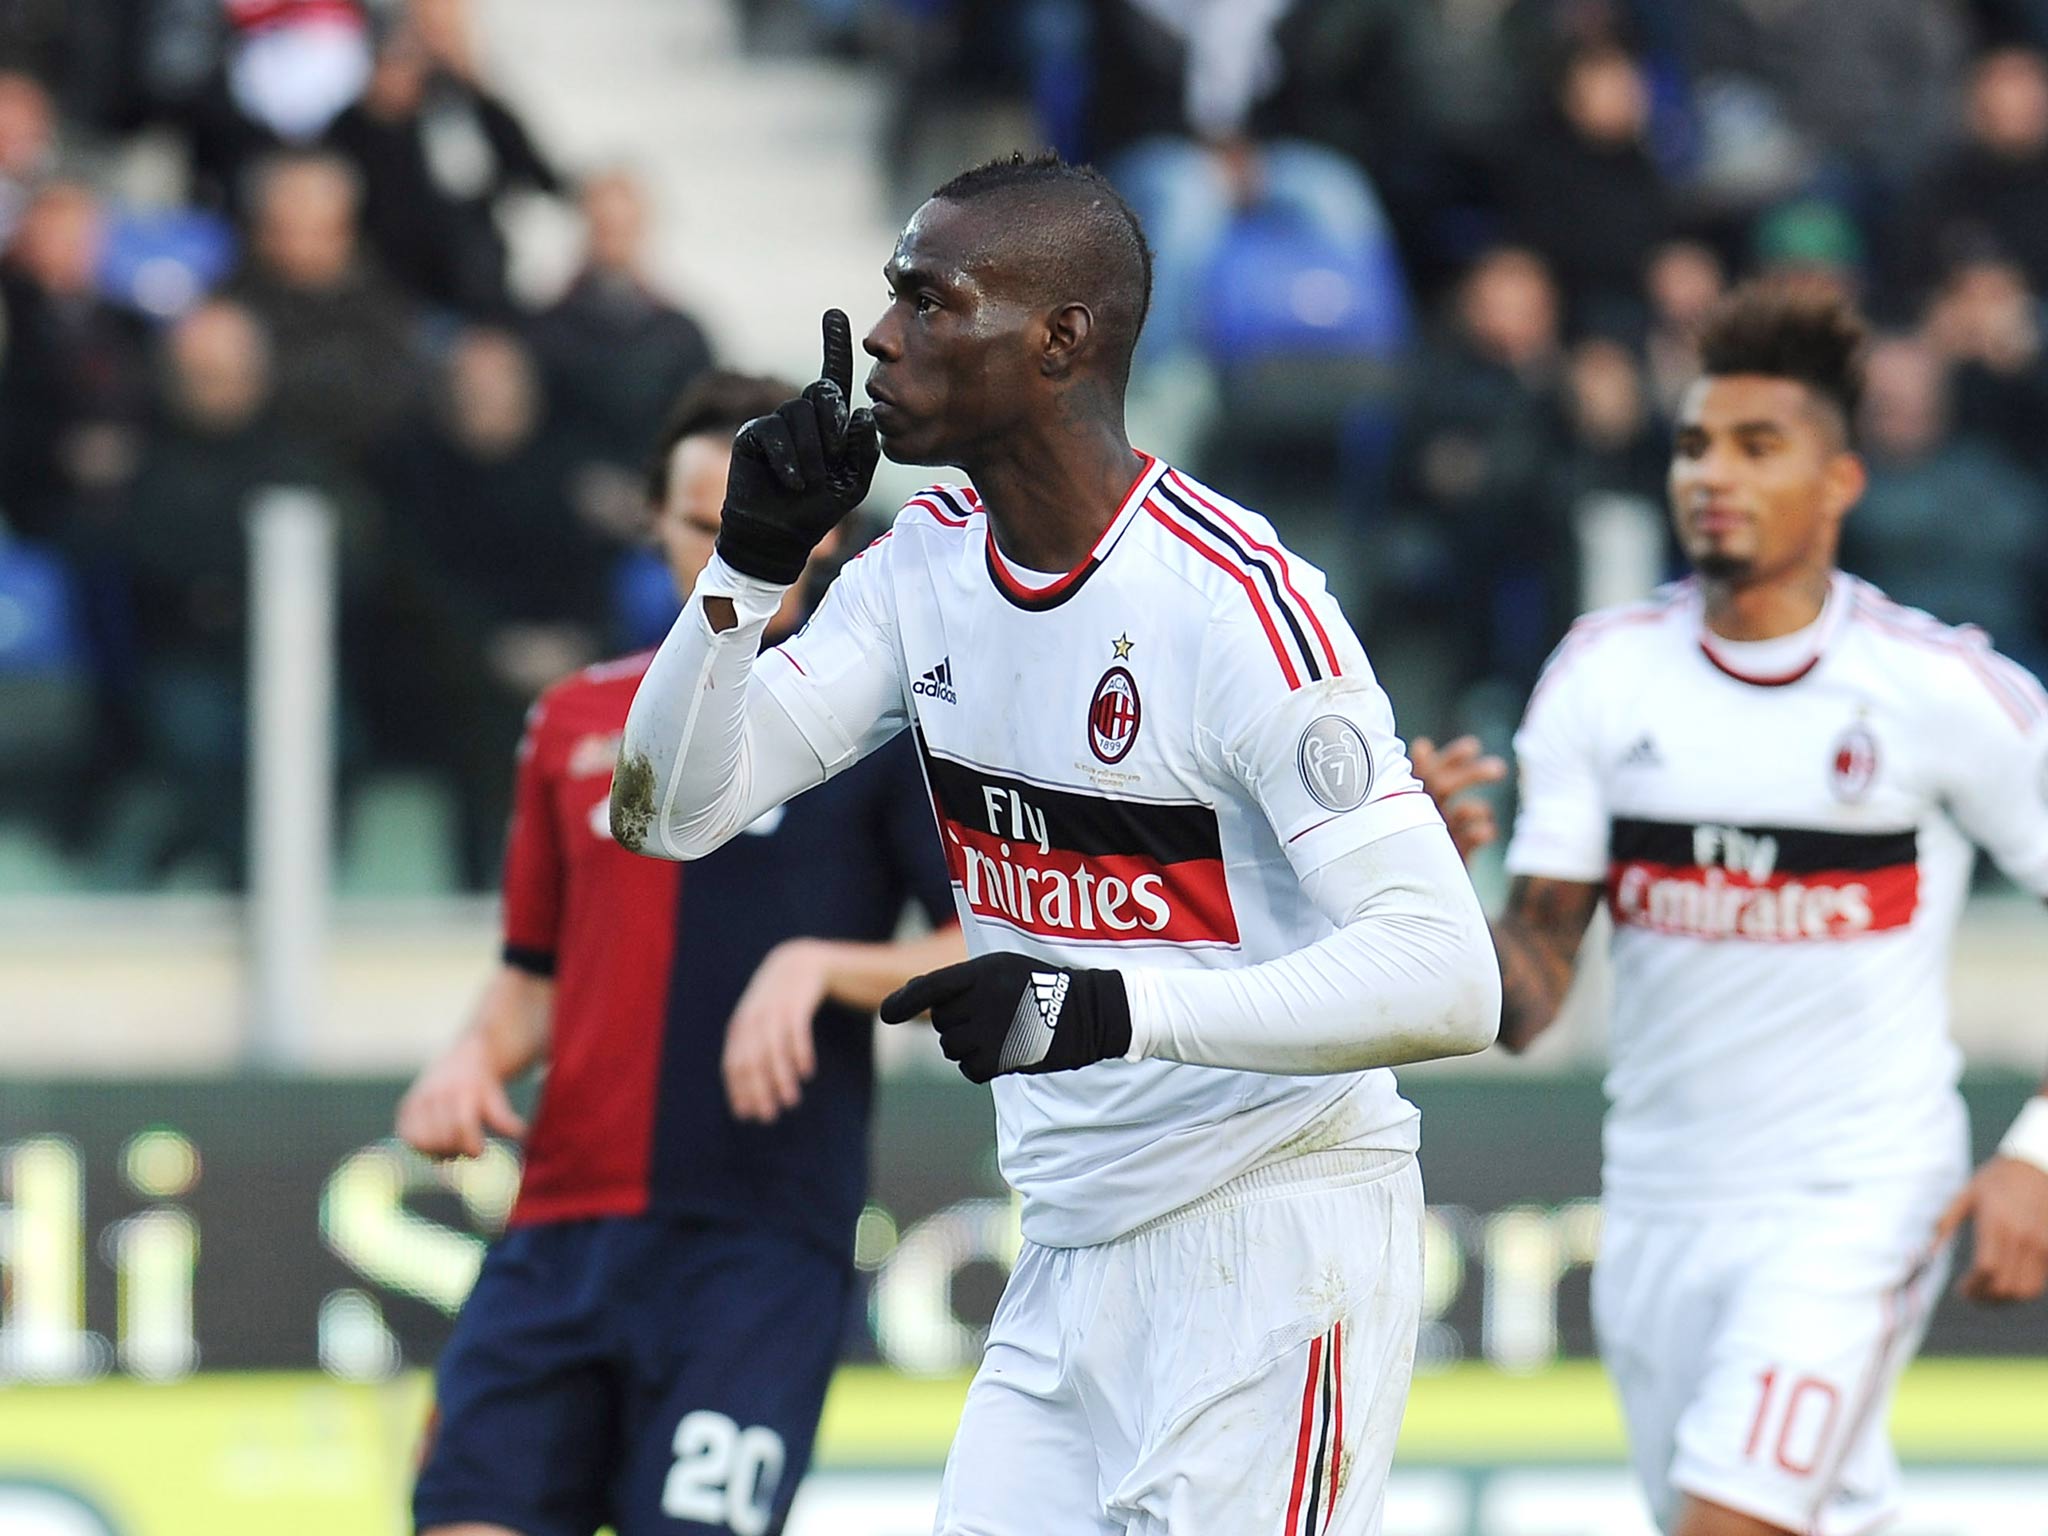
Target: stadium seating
(643,600)
(1302,328)
(162,261)
(45,681)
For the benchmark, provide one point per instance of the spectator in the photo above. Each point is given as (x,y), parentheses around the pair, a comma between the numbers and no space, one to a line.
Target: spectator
(1583,192)
(1987,326)
(1468,467)
(293,64)
(1609,442)
(1462,71)
(616,352)
(28,141)
(1181,134)
(288,67)
(182,546)
(438,154)
(1406,92)
(1994,187)
(1948,524)
(1683,281)
(1811,238)
(1868,88)
(447,32)
(1604,492)
(74,377)
(498,586)
(341,335)
(492,475)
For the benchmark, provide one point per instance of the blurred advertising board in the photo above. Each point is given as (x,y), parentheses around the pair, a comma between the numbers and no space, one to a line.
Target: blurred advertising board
(157,1228)
(219,1294)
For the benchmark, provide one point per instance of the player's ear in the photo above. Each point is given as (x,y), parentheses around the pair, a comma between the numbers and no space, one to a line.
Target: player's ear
(1068,330)
(1846,479)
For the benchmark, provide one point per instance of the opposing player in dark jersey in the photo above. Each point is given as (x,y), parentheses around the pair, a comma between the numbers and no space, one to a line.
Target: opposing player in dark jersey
(1772,777)
(649,1344)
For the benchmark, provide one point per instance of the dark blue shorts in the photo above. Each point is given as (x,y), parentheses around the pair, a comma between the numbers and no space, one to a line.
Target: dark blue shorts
(655,1375)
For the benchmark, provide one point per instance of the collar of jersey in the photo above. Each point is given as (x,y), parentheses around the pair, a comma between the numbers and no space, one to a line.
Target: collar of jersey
(1034,589)
(1726,656)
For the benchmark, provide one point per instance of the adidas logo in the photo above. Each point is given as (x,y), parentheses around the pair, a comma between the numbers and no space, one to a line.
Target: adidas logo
(1643,754)
(1037,1017)
(1049,991)
(938,683)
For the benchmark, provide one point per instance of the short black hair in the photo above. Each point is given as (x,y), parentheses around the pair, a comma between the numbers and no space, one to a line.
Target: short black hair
(1790,327)
(1079,238)
(717,401)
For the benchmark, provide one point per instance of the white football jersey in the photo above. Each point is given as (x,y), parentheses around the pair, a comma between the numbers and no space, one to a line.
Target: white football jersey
(1132,764)
(1785,856)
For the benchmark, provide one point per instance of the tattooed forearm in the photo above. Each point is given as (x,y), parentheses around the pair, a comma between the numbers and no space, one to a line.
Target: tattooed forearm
(1537,939)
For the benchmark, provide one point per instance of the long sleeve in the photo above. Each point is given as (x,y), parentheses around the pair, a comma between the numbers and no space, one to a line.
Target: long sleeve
(1409,971)
(720,733)
(704,750)
(1408,975)
(1994,717)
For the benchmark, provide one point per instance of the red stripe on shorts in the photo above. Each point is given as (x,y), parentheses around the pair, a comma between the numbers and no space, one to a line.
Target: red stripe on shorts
(1308,1403)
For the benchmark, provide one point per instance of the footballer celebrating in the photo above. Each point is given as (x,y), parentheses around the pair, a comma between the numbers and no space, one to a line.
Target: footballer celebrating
(1207,903)
(1773,778)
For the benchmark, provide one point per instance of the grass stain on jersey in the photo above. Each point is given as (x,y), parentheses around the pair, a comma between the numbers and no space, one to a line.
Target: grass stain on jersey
(633,801)
(1335,1127)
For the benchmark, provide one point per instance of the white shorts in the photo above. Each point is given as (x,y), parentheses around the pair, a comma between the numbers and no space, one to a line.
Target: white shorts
(1756,1351)
(1239,1365)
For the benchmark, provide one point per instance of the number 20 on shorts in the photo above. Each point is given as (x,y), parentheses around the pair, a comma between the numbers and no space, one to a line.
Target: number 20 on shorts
(724,1475)
(1805,1403)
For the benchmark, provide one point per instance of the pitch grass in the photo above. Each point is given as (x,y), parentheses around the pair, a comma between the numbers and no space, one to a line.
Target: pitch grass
(1947,1410)
(224,1454)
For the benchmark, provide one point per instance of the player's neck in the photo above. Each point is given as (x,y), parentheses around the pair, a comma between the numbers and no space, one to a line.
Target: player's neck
(1050,496)
(1764,610)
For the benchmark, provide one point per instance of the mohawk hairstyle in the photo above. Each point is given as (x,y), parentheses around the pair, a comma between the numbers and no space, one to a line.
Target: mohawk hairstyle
(1790,328)
(1078,236)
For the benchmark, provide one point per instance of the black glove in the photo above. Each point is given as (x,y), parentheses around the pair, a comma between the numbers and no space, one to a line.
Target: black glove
(1010,1013)
(796,473)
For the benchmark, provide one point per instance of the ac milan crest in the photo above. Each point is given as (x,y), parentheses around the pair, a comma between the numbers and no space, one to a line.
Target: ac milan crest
(1113,715)
(1854,765)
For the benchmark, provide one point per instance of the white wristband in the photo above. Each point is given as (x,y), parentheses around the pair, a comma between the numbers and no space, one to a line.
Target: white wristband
(2027,1141)
(752,598)
(1138,998)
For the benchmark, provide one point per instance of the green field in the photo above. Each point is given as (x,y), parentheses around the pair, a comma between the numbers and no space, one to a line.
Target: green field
(216,1455)
(1948,1410)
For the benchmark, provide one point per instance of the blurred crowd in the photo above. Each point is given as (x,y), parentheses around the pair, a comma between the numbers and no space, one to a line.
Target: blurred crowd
(1428,274)
(312,290)
(1441,262)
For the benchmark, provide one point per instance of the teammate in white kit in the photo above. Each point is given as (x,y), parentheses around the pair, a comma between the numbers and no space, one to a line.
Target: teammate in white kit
(1773,776)
(1207,901)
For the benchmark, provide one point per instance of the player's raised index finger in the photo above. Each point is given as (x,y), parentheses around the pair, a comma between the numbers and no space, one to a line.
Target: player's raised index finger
(920,993)
(839,351)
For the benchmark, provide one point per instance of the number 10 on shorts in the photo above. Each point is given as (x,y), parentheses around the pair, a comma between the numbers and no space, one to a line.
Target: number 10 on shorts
(1803,1415)
(724,1475)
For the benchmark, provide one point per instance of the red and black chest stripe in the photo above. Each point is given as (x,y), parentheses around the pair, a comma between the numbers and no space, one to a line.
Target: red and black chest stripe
(1062,863)
(1716,880)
